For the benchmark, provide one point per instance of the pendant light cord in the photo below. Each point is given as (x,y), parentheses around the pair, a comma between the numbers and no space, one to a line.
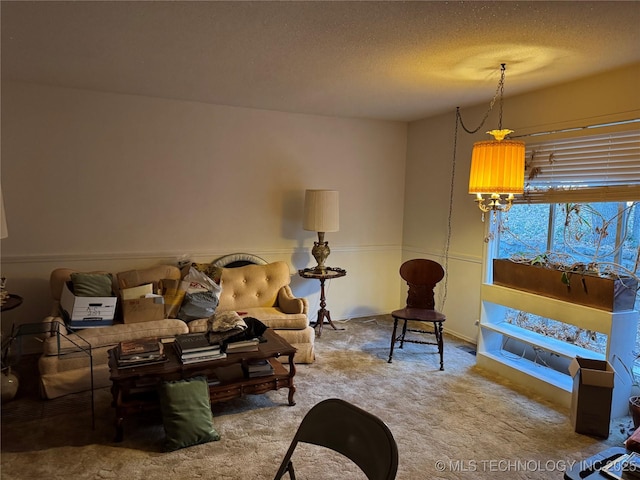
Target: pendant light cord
(499,93)
(447,244)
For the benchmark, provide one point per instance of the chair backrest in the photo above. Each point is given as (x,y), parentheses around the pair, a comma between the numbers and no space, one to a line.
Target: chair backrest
(421,275)
(352,432)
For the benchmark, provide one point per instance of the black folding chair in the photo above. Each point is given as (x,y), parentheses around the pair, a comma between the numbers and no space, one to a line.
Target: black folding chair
(350,431)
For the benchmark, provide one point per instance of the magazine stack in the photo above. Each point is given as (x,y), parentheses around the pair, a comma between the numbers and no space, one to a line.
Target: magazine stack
(135,353)
(195,348)
(250,345)
(259,368)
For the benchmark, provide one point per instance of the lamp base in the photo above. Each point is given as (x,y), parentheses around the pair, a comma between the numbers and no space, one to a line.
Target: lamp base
(9,384)
(320,252)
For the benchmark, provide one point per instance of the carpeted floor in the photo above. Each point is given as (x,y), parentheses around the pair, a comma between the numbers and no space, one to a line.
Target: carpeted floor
(462,423)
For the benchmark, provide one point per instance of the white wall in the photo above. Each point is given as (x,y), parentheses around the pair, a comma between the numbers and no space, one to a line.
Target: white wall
(105,181)
(608,97)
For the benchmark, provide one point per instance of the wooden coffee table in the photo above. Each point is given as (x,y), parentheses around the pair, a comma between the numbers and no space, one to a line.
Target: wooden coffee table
(134,389)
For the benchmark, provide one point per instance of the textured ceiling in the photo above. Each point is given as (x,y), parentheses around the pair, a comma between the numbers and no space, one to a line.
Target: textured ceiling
(383,60)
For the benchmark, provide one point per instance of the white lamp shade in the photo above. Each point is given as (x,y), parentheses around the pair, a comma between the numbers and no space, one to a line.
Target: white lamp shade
(321,211)
(4,233)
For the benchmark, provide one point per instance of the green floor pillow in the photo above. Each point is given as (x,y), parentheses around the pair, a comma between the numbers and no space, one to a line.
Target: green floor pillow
(186,413)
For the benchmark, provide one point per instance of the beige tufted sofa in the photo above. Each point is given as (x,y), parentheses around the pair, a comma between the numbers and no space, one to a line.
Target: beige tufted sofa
(259,291)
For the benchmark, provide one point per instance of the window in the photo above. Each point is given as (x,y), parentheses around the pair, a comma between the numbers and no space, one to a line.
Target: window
(607,233)
(580,202)
(581,206)
(596,168)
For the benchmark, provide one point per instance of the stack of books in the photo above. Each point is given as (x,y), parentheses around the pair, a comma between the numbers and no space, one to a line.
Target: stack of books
(145,351)
(259,368)
(195,347)
(250,345)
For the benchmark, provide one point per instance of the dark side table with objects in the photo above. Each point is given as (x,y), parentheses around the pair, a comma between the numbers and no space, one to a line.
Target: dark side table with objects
(78,346)
(10,381)
(12,301)
(11,348)
(135,389)
(590,467)
(327,273)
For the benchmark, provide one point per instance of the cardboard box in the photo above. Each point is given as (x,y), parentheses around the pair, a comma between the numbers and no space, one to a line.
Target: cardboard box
(591,396)
(84,312)
(138,310)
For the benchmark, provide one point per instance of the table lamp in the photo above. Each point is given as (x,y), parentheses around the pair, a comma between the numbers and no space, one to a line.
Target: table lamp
(321,215)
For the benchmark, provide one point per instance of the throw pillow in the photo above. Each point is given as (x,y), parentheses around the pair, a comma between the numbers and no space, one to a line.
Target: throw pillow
(92,284)
(186,413)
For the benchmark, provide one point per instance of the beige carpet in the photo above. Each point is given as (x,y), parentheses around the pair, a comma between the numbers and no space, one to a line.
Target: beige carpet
(462,423)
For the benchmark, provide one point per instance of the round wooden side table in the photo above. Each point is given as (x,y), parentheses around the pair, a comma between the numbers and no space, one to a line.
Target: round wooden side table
(327,273)
(12,301)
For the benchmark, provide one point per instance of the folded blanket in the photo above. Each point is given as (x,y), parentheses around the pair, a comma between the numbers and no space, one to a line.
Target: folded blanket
(225,321)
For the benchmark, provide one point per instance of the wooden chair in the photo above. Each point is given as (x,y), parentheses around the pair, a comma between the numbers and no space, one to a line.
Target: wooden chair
(422,276)
(358,435)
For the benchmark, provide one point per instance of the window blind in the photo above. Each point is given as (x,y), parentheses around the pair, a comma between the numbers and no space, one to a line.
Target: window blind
(594,168)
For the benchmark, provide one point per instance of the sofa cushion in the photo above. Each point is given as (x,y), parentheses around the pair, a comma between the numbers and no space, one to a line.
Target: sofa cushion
(55,385)
(252,285)
(112,335)
(274,318)
(303,341)
(186,413)
(270,316)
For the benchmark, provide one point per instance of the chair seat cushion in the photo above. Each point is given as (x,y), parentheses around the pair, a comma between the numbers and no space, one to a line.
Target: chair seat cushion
(419,314)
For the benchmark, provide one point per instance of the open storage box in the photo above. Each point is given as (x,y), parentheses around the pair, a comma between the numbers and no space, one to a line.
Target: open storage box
(85,312)
(591,396)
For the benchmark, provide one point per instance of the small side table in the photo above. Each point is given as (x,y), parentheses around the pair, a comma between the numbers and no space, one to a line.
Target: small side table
(326,274)
(12,301)
(49,328)
(590,467)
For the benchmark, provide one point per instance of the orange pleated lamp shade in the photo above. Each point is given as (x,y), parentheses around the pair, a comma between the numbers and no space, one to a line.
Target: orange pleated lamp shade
(497,167)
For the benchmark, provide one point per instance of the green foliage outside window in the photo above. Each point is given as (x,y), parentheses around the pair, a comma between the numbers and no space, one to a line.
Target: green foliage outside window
(602,237)
(594,237)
